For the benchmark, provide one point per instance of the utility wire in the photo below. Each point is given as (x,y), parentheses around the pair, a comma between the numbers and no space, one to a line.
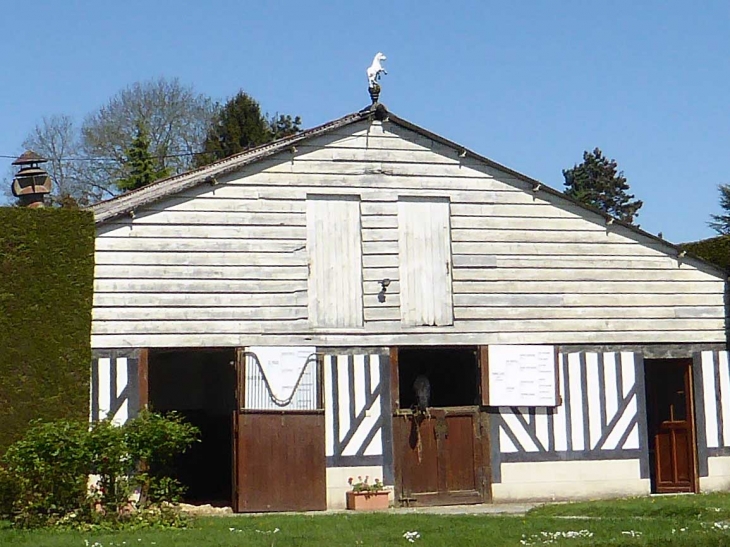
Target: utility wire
(101,158)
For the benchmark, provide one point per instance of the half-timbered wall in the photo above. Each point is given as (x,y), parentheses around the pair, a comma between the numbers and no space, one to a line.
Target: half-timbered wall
(593,444)
(712,410)
(115,386)
(227,265)
(358,431)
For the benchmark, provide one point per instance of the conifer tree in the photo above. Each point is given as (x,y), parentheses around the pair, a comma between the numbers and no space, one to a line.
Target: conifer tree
(597,182)
(721,223)
(142,166)
(239,125)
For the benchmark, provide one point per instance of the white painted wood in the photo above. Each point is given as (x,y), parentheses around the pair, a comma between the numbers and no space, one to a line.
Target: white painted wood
(709,387)
(722,362)
(334,246)
(424,250)
(594,399)
(201,301)
(157,313)
(560,421)
(576,401)
(609,381)
(528,268)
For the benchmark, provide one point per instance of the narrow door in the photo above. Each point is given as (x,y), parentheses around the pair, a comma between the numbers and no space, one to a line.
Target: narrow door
(441,451)
(670,422)
(279,456)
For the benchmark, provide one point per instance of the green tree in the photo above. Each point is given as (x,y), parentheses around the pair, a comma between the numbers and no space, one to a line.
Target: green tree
(598,183)
(142,167)
(721,223)
(239,124)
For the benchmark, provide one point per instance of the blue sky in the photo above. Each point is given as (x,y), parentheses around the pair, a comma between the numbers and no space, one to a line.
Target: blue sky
(530,84)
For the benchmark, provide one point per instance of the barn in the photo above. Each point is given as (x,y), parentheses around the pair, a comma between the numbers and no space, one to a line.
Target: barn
(287,299)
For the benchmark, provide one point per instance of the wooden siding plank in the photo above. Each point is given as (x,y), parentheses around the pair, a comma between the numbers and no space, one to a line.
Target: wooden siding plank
(238,218)
(258,325)
(157,313)
(171,258)
(170,301)
(473,272)
(106,271)
(587,312)
(183,245)
(197,285)
(578,300)
(127,230)
(272,337)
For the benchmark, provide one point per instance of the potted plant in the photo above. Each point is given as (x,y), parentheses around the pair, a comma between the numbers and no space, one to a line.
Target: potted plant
(365,496)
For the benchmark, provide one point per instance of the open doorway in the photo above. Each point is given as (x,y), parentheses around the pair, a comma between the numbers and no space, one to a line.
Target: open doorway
(440,432)
(452,375)
(670,423)
(199,385)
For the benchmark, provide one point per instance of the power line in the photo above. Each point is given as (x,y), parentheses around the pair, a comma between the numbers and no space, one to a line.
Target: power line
(102,158)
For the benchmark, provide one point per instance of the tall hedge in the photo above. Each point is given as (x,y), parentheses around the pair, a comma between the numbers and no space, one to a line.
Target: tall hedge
(715,250)
(46,288)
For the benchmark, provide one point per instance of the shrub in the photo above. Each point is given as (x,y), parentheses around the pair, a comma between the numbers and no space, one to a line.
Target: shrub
(48,472)
(8,493)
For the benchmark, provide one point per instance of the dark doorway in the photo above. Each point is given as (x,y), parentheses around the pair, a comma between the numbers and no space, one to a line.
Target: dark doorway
(441,451)
(199,385)
(670,424)
(453,375)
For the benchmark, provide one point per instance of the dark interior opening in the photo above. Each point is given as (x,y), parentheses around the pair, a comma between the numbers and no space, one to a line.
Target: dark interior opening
(199,385)
(668,423)
(453,375)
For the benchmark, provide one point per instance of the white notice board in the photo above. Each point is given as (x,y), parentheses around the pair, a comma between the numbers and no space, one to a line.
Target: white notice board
(280,368)
(522,376)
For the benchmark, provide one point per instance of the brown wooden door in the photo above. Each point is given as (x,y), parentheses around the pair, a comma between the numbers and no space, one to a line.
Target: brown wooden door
(279,456)
(280,462)
(670,424)
(441,459)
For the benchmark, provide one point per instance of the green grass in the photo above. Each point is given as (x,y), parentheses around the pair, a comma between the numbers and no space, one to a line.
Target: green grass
(673,521)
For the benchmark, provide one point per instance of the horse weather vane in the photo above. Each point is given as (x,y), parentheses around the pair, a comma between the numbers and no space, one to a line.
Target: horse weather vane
(374,72)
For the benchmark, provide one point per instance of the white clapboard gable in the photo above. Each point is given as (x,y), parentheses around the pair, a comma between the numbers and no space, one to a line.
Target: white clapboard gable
(219,257)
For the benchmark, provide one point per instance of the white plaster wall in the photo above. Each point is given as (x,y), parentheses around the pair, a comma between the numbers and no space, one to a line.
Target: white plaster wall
(570,480)
(719,474)
(337,482)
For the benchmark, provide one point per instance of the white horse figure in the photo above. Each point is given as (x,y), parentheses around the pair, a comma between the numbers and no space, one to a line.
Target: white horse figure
(376,69)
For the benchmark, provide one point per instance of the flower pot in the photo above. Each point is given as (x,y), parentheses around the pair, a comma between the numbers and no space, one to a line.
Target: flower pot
(367,501)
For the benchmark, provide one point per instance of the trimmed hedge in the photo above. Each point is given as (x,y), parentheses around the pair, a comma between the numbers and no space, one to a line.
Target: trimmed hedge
(46,290)
(715,250)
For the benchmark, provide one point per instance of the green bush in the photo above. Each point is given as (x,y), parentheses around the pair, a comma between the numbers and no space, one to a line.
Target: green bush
(48,472)
(47,269)
(8,493)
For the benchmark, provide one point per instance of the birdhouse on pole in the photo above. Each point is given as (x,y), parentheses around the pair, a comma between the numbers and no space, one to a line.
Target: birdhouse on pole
(31,183)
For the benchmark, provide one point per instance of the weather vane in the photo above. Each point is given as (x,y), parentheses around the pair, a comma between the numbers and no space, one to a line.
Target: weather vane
(374,72)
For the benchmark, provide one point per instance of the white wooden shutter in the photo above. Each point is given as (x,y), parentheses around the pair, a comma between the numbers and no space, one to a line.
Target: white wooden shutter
(424,247)
(335,261)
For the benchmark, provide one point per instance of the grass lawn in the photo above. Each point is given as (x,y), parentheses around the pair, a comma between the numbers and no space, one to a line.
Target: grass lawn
(702,520)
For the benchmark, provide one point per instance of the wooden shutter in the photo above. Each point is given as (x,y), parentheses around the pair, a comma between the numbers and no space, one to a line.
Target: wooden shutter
(424,248)
(335,261)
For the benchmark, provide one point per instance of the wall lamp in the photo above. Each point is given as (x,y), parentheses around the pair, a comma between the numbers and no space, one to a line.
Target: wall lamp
(384,284)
